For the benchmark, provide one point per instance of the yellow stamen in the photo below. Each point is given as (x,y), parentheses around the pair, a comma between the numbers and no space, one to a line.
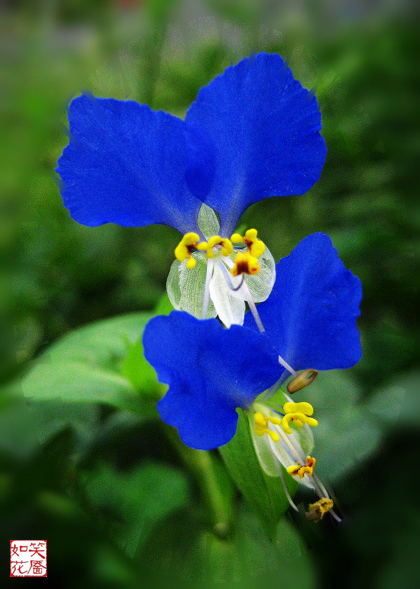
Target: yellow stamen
(299,413)
(227,247)
(185,247)
(255,246)
(318,509)
(300,470)
(245,264)
(261,426)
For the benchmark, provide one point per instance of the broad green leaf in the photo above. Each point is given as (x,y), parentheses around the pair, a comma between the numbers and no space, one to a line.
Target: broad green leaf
(140,373)
(103,343)
(85,366)
(264,493)
(77,382)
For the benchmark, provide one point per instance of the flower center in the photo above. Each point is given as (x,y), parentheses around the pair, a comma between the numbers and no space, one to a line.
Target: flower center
(245,262)
(299,413)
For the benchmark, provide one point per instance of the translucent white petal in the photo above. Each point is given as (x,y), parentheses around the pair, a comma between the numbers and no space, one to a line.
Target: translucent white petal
(186,286)
(261,284)
(230,309)
(208,223)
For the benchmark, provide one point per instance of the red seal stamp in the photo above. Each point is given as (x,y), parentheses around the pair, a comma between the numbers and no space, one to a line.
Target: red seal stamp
(28,558)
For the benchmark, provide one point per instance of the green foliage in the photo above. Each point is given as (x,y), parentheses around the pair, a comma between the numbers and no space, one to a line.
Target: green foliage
(128,504)
(85,366)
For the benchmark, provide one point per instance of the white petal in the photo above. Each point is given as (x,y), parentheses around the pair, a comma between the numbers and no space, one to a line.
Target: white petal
(230,309)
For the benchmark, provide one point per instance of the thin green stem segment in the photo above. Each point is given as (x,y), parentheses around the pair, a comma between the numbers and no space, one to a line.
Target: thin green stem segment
(218,499)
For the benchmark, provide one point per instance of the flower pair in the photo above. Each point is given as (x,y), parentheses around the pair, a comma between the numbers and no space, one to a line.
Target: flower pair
(253,132)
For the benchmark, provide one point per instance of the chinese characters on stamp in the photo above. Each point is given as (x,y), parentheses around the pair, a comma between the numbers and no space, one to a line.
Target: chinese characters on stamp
(28,558)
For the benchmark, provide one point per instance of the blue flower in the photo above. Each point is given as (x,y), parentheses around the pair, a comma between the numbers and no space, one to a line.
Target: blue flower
(253,132)
(309,321)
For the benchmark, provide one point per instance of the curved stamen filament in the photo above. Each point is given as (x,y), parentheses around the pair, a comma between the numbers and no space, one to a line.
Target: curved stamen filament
(228,280)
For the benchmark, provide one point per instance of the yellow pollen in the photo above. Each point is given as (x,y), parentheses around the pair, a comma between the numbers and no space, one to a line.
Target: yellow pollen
(227,247)
(301,469)
(318,509)
(245,264)
(261,426)
(255,246)
(184,249)
(299,413)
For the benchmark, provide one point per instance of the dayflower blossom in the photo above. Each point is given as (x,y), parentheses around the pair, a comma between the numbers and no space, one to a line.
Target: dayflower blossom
(308,322)
(253,132)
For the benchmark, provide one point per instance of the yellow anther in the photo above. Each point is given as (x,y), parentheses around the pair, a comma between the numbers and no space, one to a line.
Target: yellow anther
(185,247)
(302,380)
(298,407)
(299,419)
(318,509)
(226,245)
(255,246)
(301,469)
(245,264)
(261,426)
(299,413)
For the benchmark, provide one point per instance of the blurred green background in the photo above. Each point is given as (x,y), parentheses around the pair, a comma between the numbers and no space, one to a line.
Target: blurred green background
(108,489)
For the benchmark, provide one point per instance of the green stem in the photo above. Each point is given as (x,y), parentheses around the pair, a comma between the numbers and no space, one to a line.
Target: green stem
(218,500)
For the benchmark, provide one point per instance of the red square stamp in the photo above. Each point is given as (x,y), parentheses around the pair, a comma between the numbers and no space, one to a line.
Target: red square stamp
(28,558)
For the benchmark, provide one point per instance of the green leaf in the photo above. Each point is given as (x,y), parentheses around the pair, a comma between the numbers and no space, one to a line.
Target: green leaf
(183,547)
(103,343)
(130,503)
(264,493)
(164,306)
(347,432)
(77,382)
(139,372)
(85,366)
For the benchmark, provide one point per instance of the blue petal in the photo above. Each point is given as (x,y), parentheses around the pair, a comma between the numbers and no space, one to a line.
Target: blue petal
(210,372)
(265,130)
(126,164)
(310,315)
